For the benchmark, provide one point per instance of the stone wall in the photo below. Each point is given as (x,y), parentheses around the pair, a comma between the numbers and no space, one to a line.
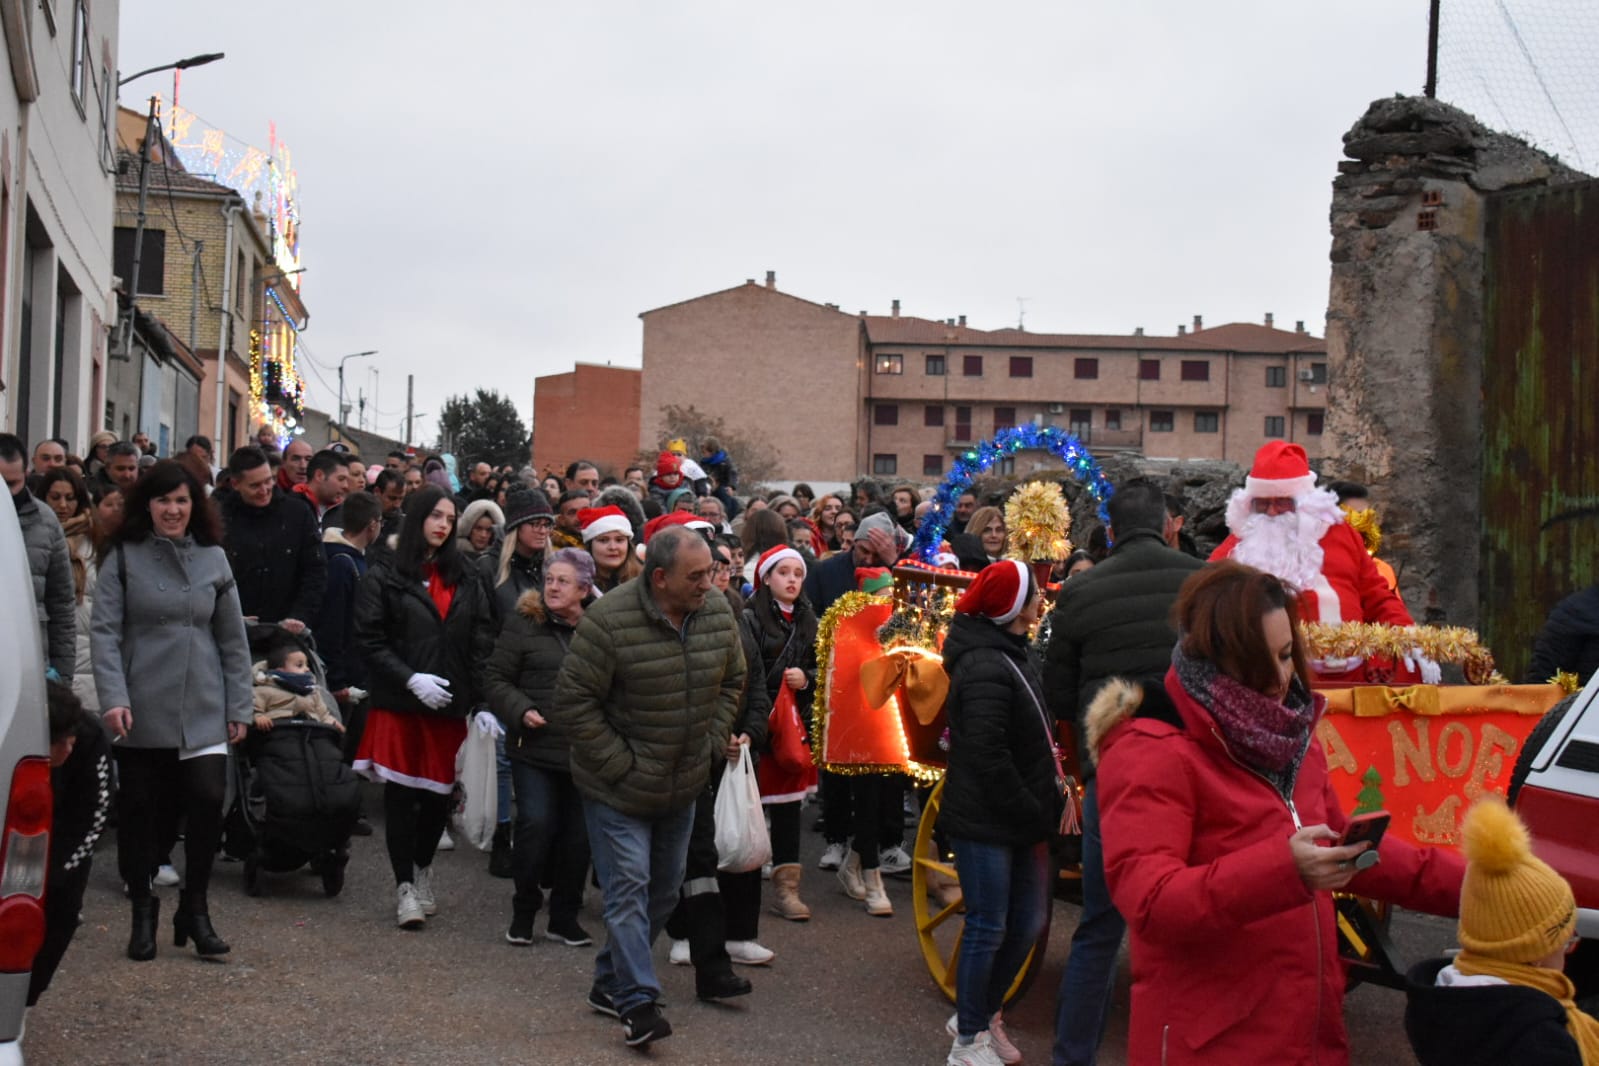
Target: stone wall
(1405,333)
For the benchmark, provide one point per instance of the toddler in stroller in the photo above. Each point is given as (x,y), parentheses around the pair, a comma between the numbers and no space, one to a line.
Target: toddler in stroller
(298,801)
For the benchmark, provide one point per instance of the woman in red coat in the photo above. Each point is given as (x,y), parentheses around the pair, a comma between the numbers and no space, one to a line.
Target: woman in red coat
(1220,829)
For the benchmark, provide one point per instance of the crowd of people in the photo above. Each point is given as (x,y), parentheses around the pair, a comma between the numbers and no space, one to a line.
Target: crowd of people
(633,635)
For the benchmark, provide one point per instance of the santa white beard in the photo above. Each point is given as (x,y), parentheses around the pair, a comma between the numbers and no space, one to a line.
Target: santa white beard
(1287,546)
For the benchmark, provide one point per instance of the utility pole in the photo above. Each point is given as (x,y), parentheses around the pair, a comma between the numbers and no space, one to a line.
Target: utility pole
(410,384)
(138,231)
(1430,90)
(360,403)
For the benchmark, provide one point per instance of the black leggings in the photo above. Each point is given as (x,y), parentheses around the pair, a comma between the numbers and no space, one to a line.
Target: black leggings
(413,821)
(785,832)
(154,780)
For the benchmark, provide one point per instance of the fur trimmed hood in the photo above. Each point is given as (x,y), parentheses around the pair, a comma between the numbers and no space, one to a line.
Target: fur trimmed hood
(1114,704)
(531,605)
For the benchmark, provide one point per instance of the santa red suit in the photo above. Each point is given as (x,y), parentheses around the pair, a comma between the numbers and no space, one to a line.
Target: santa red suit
(1312,548)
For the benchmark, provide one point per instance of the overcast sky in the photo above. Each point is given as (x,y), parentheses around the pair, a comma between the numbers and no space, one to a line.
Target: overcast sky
(492,191)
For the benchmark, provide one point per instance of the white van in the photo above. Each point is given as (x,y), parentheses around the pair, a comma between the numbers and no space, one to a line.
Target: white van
(25,797)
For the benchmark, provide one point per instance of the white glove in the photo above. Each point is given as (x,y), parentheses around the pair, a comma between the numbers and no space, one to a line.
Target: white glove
(1431,673)
(356,694)
(431,689)
(487,723)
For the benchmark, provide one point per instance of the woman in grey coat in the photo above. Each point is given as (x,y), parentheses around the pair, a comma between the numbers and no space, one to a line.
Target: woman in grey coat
(172,666)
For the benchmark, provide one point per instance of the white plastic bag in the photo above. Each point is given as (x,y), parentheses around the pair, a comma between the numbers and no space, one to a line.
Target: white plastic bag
(477,772)
(742,843)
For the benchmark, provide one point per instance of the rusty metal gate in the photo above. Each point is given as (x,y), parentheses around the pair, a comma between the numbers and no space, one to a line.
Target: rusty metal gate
(1540,462)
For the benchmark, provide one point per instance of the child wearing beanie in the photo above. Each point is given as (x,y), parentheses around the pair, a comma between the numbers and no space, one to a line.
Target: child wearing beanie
(1504,998)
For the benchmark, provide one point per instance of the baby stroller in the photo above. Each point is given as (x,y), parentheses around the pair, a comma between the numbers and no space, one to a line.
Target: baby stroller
(296,799)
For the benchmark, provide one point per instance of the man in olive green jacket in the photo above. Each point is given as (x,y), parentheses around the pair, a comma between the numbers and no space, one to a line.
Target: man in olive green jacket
(647,696)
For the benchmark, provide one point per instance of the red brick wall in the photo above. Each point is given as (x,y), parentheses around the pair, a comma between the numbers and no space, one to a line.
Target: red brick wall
(591,413)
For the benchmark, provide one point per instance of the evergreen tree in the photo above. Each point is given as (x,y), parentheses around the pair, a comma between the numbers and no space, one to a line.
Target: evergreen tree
(483,428)
(1370,797)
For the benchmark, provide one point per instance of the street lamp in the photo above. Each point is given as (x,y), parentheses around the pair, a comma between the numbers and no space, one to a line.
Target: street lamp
(182,64)
(338,415)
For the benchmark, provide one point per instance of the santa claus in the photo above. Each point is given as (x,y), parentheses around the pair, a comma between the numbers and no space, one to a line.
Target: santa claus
(1281,523)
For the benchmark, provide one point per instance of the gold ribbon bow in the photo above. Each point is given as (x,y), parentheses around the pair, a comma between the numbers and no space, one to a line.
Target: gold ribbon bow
(920,673)
(1374,701)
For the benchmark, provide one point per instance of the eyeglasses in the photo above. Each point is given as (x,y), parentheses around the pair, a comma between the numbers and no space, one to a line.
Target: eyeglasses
(540,523)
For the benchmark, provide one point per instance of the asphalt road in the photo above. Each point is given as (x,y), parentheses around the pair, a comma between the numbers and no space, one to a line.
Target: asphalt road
(314,980)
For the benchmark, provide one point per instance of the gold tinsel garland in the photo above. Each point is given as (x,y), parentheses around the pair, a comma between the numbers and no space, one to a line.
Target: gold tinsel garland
(1037,521)
(1570,682)
(1441,644)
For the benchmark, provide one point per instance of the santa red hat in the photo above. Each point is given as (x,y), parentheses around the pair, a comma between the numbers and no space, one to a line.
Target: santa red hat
(999,593)
(668,463)
(597,521)
(772,556)
(676,518)
(1280,470)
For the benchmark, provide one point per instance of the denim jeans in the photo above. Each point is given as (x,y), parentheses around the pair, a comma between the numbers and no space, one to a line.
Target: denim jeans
(1007,904)
(550,838)
(502,766)
(640,863)
(1085,986)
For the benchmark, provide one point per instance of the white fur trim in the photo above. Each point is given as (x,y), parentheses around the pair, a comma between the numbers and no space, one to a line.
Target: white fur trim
(764,568)
(1287,546)
(1021,591)
(1277,487)
(611,523)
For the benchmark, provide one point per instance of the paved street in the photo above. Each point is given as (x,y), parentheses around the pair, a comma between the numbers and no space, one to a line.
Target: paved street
(313,980)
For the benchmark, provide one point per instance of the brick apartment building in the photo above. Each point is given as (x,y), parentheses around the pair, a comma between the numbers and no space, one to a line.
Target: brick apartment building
(591,413)
(843,395)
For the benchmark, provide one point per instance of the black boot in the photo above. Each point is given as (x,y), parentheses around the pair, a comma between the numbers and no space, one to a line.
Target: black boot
(141,942)
(500,856)
(192,919)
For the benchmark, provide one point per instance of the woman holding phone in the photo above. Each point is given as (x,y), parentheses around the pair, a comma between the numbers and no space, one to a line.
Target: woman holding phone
(1221,836)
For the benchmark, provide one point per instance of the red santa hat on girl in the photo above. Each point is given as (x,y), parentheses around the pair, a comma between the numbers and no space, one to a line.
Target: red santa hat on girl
(1280,470)
(597,521)
(999,593)
(772,556)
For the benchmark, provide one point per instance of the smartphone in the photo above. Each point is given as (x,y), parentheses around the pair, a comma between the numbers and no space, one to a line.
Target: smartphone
(1370,828)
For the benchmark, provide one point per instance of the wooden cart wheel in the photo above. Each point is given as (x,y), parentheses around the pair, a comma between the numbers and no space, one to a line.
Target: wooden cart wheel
(939,925)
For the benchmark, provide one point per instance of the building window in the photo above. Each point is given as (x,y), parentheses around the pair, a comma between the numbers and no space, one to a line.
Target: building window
(1206,422)
(1149,370)
(1276,377)
(1162,421)
(1004,418)
(932,466)
(1006,467)
(1274,426)
(1113,419)
(889,364)
(1314,423)
(972,366)
(1196,370)
(152,264)
(935,366)
(933,415)
(80,53)
(963,423)
(885,464)
(885,414)
(1021,366)
(1318,373)
(1081,420)
(1085,369)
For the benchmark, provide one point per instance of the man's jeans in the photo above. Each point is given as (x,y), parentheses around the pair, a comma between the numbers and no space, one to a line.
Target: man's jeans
(1090,975)
(640,863)
(1007,903)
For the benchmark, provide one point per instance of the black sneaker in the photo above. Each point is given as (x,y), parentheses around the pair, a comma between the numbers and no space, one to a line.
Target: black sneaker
(601,1003)
(569,933)
(521,931)
(361,828)
(720,986)
(644,1024)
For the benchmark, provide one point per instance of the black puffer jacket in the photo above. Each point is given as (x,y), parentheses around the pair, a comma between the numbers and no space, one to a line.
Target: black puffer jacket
(525,574)
(398,632)
(1001,785)
(772,644)
(521,676)
(276,555)
(1569,640)
(1113,621)
(1484,1025)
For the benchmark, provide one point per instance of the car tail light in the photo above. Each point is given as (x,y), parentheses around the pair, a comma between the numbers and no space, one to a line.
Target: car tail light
(24,860)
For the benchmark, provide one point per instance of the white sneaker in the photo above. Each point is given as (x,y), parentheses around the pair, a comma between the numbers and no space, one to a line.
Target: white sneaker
(423,887)
(893,860)
(409,914)
(446,842)
(679,955)
(766,871)
(978,1053)
(749,953)
(166,875)
(832,857)
(998,1039)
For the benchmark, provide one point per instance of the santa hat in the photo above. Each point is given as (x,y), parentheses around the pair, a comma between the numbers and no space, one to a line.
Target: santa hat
(597,521)
(676,518)
(772,556)
(668,463)
(999,593)
(1280,470)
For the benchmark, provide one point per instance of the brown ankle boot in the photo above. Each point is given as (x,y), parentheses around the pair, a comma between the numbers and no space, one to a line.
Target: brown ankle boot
(786,902)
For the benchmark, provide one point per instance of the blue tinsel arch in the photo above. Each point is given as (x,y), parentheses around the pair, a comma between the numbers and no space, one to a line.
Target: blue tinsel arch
(979,459)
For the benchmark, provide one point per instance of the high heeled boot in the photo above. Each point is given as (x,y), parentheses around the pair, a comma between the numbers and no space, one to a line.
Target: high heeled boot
(141,941)
(192,919)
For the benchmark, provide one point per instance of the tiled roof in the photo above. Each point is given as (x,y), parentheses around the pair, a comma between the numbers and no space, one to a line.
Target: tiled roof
(1249,337)
(163,177)
(1234,337)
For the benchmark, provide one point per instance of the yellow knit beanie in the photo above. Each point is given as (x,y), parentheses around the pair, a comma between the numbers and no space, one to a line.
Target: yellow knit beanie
(1513,906)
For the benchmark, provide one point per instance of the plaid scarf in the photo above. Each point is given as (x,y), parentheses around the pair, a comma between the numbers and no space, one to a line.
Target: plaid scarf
(1267,736)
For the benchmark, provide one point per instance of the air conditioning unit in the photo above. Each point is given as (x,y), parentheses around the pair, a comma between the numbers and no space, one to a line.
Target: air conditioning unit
(1307,375)
(1057,408)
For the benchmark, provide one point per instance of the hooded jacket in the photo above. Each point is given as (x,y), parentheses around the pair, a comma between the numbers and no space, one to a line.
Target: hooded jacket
(648,708)
(398,632)
(1569,639)
(54,594)
(276,555)
(1235,960)
(520,676)
(1484,1025)
(1001,785)
(335,624)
